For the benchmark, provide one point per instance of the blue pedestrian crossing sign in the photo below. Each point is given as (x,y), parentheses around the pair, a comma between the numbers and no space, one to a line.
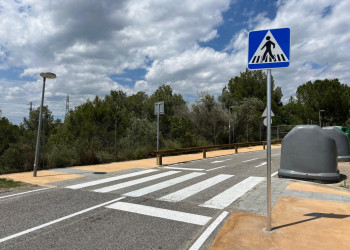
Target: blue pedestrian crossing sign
(269,49)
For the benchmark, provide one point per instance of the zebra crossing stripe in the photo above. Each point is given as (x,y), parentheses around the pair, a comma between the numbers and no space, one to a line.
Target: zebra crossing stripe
(115,178)
(161,213)
(225,198)
(190,169)
(134,182)
(196,188)
(164,184)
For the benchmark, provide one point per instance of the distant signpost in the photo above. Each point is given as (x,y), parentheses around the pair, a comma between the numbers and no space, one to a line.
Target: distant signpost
(269,49)
(158,110)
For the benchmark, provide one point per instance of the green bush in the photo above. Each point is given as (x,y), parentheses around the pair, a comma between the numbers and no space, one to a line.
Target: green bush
(17,158)
(60,156)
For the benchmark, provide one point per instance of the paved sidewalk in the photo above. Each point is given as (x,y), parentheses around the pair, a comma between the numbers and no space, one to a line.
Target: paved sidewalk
(305,216)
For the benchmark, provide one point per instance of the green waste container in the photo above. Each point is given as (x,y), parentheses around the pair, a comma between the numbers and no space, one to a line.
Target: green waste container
(346,131)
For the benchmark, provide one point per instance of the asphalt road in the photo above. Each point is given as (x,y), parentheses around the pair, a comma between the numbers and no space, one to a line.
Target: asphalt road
(179,206)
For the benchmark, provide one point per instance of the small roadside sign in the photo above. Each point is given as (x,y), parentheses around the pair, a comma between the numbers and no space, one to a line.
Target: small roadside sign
(159,108)
(269,49)
(264,114)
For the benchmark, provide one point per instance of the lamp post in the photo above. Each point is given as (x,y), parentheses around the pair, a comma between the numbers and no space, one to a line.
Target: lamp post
(319,116)
(229,124)
(44,76)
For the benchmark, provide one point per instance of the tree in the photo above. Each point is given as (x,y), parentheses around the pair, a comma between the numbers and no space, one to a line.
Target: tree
(328,95)
(210,118)
(250,84)
(9,133)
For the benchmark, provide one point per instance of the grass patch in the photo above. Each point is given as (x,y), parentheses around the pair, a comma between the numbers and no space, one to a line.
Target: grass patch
(7,183)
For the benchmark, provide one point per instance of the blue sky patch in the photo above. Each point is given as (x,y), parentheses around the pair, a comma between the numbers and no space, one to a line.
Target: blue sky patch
(129,77)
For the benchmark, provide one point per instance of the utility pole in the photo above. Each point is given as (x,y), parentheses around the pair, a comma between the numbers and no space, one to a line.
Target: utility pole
(229,125)
(115,138)
(30,107)
(43,157)
(67,106)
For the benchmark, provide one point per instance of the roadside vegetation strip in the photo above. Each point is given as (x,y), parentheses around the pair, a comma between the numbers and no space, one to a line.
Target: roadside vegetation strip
(57,220)
(8,183)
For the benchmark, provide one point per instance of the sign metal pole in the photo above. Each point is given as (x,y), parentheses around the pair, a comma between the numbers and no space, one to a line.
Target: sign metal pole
(268,227)
(158,111)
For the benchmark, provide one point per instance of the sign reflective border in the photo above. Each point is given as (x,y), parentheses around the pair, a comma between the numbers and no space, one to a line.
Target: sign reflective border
(269,49)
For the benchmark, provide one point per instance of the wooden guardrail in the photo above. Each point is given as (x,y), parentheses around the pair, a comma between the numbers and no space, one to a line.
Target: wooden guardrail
(161,153)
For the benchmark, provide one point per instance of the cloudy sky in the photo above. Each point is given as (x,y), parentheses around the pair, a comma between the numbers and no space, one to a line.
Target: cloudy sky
(95,46)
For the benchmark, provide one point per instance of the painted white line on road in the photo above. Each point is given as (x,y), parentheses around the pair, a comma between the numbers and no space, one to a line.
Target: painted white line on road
(225,198)
(216,168)
(262,164)
(58,220)
(200,241)
(274,174)
(161,213)
(251,160)
(221,161)
(134,182)
(217,161)
(275,154)
(32,191)
(190,169)
(115,178)
(196,188)
(164,184)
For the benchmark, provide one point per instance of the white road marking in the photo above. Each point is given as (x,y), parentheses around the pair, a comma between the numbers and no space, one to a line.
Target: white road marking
(115,178)
(225,198)
(262,164)
(251,160)
(274,174)
(191,169)
(32,191)
(134,182)
(161,213)
(200,241)
(275,154)
(221,160)
(215,168)
(196,188)
(57,220)
(217,161)
(164,184)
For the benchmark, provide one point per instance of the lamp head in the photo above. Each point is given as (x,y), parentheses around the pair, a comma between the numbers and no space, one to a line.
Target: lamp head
(48,75)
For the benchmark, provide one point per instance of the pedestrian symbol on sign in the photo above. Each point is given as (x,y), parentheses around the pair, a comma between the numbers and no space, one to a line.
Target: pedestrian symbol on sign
(268,49)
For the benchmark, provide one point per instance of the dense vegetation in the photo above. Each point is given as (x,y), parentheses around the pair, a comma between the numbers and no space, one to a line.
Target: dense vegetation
(120,127)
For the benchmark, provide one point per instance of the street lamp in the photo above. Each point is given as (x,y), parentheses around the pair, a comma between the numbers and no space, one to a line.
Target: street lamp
(44,76)
(229,124)
(319,116)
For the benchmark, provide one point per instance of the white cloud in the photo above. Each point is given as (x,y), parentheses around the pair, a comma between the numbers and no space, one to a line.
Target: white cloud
(84,42)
